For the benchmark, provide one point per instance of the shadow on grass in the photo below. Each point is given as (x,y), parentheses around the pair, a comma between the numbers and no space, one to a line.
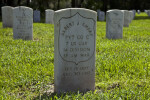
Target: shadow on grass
(141,17)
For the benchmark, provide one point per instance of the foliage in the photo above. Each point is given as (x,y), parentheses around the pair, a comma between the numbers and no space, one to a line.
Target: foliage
(122,66)
(93,4)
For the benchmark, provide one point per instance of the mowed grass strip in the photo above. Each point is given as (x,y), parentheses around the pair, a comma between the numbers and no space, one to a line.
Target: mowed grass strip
(122,66)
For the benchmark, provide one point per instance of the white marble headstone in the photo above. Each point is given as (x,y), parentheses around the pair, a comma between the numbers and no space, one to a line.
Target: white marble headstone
(49,16)
(131,16)
(134,13)
(23,23)
(98,11)
(36,16)
(126,18)
(74,61)
(7,16)
(138,11)
(101,16)
(148,13)
(114,24)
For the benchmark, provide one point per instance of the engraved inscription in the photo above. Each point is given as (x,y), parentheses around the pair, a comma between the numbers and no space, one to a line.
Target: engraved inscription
(116,27)
(76,71)
(76,38)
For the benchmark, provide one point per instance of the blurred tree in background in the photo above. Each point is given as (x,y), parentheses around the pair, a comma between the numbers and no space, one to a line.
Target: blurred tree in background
(104,5)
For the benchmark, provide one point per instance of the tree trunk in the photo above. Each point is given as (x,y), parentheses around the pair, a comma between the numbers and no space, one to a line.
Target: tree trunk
(28,2)
(80,5)
(58,5)
(105,3)
(73,3)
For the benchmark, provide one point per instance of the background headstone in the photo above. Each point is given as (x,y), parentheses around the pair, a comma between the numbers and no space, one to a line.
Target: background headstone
(98,12)
(134,13)
(36,16)
(148,13)
(74,61)
(7,16)
(138,11)
(23,23)
(131,16)
(114,24)
(49,16)
(101,16)
(126,18)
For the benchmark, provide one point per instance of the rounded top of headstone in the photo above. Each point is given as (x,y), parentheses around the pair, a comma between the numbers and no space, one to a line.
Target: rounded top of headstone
(83,9)
(6,7)
(130,11)
(23,7)
(49,10)
(124,10)
(114,10)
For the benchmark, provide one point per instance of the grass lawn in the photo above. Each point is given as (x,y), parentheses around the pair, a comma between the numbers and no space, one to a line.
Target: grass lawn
(122,66)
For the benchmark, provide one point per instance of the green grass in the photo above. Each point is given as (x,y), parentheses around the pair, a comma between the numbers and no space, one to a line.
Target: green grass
(122,66)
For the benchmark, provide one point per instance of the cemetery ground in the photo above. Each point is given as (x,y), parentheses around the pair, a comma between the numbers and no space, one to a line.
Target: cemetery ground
(122,65)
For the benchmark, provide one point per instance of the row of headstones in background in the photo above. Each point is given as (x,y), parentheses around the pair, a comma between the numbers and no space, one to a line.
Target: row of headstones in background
(49,15)
(7,13)
(21,19)
(21,28)
(101,15)
(115,21)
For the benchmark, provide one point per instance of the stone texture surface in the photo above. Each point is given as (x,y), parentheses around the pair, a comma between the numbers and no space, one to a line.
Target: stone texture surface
(114,24)
(36,16)
(7,16)
(101,15)
(23,23)
(74,61)
(126,18)
(49,16)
